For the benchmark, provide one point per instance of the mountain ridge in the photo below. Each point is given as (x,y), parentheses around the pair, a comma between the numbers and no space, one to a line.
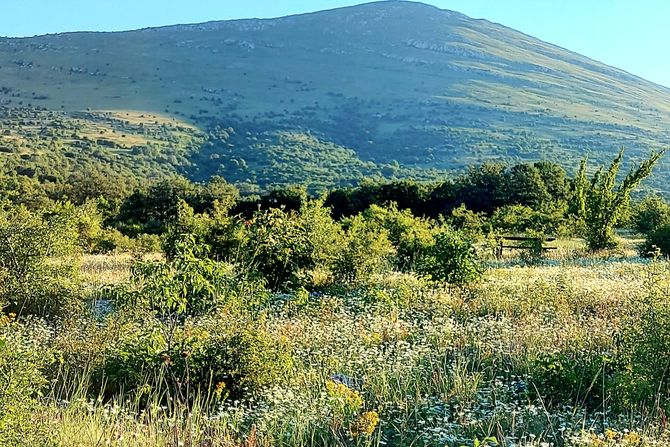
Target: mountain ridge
(397,88)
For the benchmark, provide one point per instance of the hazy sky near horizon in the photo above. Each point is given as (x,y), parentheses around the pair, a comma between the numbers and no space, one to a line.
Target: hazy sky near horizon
(632,35)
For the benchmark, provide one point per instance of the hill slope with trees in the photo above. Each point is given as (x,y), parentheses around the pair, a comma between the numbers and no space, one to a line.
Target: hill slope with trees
(387,89)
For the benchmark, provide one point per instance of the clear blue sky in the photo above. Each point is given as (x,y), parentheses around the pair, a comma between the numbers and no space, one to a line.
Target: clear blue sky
(629,34)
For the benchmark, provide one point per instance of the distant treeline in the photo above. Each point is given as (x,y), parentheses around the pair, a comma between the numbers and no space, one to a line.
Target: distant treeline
(537,196)
(146,208)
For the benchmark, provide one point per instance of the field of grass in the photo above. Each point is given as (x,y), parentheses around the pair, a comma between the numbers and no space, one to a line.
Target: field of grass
(528,355)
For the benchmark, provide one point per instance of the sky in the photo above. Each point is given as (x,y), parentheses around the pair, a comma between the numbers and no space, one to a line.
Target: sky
(630,34)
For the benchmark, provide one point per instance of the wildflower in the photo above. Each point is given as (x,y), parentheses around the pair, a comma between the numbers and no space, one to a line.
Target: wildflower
(632,439)
(349,397)
(610,435)
(219,388)
(365,424)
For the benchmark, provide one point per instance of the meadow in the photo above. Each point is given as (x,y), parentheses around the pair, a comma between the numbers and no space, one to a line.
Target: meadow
(529,355)
(183,314)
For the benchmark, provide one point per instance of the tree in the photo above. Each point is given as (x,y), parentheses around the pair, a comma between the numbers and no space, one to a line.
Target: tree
(484,188)
(601,203)
(527,187)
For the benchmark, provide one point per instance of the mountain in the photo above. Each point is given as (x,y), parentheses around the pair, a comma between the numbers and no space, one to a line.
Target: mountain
(388,89)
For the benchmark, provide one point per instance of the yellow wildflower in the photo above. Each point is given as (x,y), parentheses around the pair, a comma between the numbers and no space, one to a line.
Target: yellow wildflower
(219,388)
(632,439)
(610,435)
(365,424)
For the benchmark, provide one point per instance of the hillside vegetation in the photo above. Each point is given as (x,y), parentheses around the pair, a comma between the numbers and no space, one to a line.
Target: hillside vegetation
(390,89)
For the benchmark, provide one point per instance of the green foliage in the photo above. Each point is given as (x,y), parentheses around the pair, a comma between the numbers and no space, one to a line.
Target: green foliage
(172,340)
(284,247)
(644,343)
(187,285)
(452,258)
(602,202)
(366,251)
(86,220)
(474,224)
(244,358)
(213,359)
(24,357)
(216,233)
(650,214)
(152,209)
(411,236)
(657,241)
(517,219)
(38,262)
(563,377)
(22,190)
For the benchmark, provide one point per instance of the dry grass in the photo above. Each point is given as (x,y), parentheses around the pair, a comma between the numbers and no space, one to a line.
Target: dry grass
(99,270)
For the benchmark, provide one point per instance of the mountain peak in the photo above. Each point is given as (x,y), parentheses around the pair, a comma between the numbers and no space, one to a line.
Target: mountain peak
(393,84)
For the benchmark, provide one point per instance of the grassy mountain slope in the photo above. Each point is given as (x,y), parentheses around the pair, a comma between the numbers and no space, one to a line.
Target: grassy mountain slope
(387,88)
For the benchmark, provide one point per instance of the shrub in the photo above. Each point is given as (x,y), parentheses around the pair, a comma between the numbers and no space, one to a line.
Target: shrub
(284,247)
(468,221)
(38,263)
(650,214)
(452,258)
(147,243)
(110,240)
(245,359)
(23,357)
(564,378)
(411,236)
(186,286)
(366,251)
(171,339)
(203,357)
(657,239)
(602,203)
(520,219)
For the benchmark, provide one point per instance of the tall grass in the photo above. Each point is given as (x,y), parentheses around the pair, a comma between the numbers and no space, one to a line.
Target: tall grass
(520,356)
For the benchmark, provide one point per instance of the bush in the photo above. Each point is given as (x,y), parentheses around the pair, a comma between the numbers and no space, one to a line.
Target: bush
(520,219)
(175,335)
(657,239)
(186,286)
(111,240)
(603,203)
(211,359)
(650,214)
(468,221)
(38,263)
(284,247)
(411,236)
(147,243)
(23,357)
(366,251)
(245,359)
(452,258)
(563,378)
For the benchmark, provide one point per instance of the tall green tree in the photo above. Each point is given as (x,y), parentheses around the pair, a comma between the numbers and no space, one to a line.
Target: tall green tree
(601,202)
